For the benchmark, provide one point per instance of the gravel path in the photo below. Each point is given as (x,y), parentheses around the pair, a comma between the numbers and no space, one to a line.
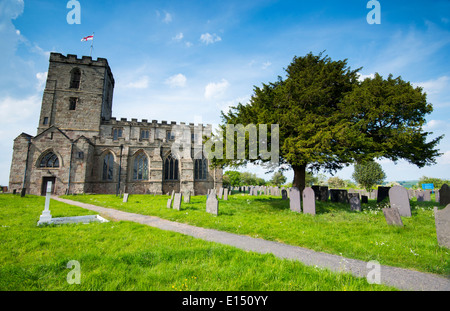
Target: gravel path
(403,279)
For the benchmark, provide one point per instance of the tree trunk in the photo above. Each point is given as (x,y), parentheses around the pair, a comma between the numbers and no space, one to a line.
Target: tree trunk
(299,177)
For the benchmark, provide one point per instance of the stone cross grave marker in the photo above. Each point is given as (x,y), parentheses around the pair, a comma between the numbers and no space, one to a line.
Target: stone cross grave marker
(125,198)
(442,220)
(294,200)
(177,201)
(212,205)
(392,216)
(309,201)
(46,216)
(444,195)
(398,197)
(355,203)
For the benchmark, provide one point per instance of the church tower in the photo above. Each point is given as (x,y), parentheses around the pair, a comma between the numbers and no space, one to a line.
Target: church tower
(78,94)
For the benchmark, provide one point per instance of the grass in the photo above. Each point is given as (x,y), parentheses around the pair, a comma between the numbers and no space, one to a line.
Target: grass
(123,256)
(334,229)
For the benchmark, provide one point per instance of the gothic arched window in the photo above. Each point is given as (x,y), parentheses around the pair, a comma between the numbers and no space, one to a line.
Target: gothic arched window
(75,78)
(108,166)
(140,168)
(49,160)
(200,169)
(171,168)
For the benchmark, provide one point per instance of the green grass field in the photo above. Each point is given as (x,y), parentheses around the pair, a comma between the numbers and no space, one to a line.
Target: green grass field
(335,229)
(129,256)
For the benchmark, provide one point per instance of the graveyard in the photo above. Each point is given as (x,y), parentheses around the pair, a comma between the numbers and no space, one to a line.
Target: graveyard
(122,256)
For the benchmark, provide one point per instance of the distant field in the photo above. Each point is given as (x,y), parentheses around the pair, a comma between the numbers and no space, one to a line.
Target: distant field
(335,229)
(128,256)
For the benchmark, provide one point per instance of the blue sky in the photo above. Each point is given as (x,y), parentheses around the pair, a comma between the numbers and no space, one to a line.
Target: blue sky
(186,61)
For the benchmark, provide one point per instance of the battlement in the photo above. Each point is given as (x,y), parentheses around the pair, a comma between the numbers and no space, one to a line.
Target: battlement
(73,59)
(144,122)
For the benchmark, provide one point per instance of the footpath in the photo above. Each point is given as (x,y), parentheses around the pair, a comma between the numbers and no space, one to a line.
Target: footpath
(403,279)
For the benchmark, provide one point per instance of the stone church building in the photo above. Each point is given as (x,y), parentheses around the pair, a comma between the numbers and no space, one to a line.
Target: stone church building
(81,148)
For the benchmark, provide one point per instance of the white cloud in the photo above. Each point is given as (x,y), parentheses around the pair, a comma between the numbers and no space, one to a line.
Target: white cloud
(445,158)
(266,65)
(178,37)
(435,86)
(19,110)
(141,83)
(167,18)
(178,80)
(363,77)
(216,90)
(42,78)
(226,105)
(208,38)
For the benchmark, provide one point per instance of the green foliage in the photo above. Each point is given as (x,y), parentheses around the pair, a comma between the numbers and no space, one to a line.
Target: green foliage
(437,182)
(328,119)
(368,174)
(278,179)
(336,183)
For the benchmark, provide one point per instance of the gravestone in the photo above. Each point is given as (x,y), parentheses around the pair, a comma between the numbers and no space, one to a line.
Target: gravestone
(420,195)
(382,193)
(355,203)
(187,197)
(46,216)
(352,194)
(22,193)
(294,200)
(436,196)
(392,216)
(125,198)
(169,203)
(220,193)
(398,197)
(225,194)
(339,196)
(284,194)
(177,201)
(364,199)
(442,220)
(323,190)
(309,201)
(444,195)
(427,196)
(173,193)
(212,205)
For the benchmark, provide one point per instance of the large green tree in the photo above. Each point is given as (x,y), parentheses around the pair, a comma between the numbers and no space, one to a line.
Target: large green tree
(329,119)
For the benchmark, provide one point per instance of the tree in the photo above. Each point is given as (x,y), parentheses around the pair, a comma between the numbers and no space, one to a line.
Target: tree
(437,182)
(233,178)
(335,182)
(368,174)
(328,119)
(278,179)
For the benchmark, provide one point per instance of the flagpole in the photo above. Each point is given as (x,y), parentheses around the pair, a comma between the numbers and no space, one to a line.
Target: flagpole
(92,44)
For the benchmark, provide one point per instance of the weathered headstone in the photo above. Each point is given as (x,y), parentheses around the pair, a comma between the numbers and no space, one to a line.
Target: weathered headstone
(177,201)
(284,194)
(420,195)
(212,205)
(436,196)
(46,216)
(169,203)
(444,195)
(125,198)
(427,196)
(392,216)
(364,199)
(309,201)
(442,220)
(225,194)
(220,193)
(382,193)
(173,193)
(294,200)
(339,196)
(187,197)
(352,194)
(22,193)
(398,197)
(355,203)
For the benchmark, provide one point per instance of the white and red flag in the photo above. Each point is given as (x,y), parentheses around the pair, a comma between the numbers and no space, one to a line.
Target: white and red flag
(88,38)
